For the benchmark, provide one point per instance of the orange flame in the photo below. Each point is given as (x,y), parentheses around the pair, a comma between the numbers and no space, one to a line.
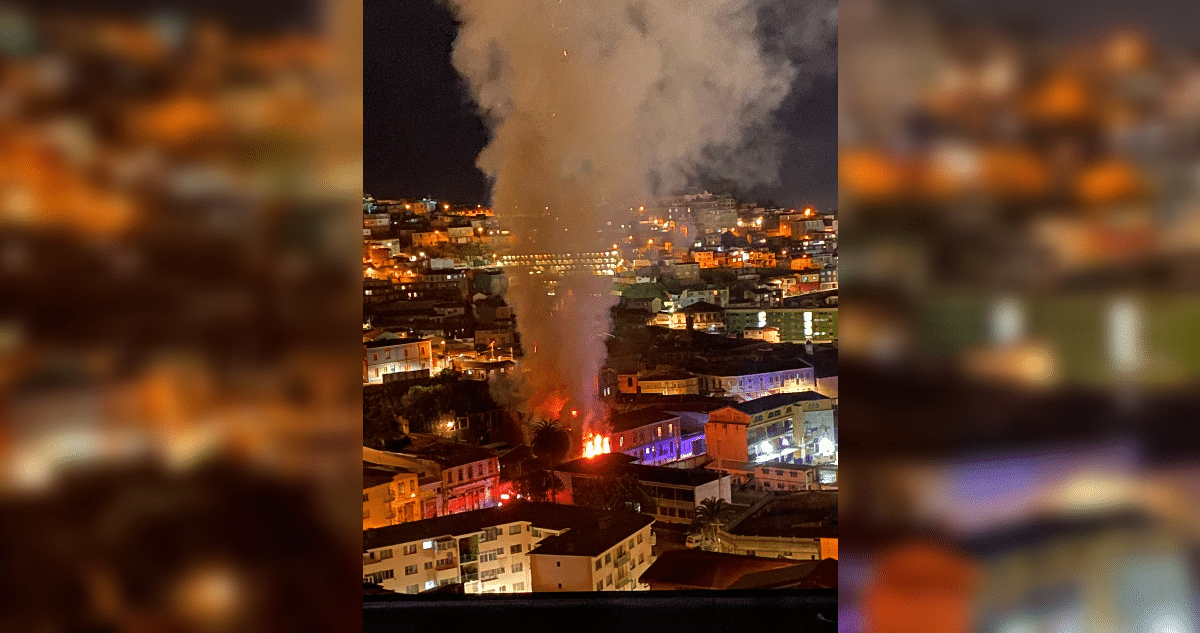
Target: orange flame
(596,445)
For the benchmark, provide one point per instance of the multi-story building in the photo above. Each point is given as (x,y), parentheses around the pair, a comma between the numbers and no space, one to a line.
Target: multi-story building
(597,263)
(489,550)
(677,492)
(764,429)
(704,316)
(389,496)
(649,435)
(689,296)
(467,475)
(785,477)
(819,325)
(394,355)
(609,555)
(666,381)
(750,378)
(799,526)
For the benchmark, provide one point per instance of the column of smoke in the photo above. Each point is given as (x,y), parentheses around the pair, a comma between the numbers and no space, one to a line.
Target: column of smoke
(592,104)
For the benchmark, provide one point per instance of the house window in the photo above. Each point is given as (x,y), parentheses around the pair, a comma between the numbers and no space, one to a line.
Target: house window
(428,565)
(515,549)
(558,564)
(600,586)
(380,576)
(430,584)
(608,558)
(385,554)
(410,570)
(427,545)
(608,580)
(639,539)
(641,558)
(519,586)
(518,568)
(412,589)
(514,529)
(599,563)
(410,549)
(660,431)
(364,497)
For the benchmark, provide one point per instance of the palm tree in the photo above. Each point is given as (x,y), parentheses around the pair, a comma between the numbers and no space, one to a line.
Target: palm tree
(550,441)
(711,514)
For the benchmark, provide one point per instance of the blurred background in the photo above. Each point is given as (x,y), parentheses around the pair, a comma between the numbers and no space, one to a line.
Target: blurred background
(1020,203)
(179,392)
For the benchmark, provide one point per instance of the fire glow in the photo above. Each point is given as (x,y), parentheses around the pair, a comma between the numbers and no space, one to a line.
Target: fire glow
(596,445)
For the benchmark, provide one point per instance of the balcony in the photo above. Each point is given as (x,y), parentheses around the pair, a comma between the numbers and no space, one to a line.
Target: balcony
(622,582)
(472,577)
(469,557)
(446,563)
(621,560)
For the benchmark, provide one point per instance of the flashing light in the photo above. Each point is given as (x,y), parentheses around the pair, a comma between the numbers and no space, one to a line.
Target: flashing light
(574,413)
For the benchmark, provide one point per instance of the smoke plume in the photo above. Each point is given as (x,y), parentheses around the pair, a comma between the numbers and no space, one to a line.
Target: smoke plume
(599,104)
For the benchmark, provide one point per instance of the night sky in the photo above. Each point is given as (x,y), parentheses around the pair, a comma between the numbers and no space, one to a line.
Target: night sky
(422,134)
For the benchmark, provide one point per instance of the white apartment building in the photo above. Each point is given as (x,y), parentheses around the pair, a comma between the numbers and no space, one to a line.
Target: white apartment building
(488,551)
(384,356)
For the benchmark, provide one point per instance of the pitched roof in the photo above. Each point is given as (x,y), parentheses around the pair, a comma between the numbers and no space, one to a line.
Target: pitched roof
(703,306)
(595,538)
(551,516)
(774,401)
(639,418)
(646,291)
(816,574)
(618,464)
(694,568)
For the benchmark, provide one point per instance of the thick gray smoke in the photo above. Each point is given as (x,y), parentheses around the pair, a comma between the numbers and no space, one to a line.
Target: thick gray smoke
(598,102)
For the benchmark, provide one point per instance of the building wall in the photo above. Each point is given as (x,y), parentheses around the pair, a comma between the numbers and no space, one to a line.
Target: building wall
(670,387)
(515,577)
(725,439)
(752,386)
(391,503)
(767,477)
(402,357)
(561,573)
(795,324)
(580,573)
(773,547)
(470,486)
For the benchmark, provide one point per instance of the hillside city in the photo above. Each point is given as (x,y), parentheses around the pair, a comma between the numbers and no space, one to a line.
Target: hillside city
(720,385)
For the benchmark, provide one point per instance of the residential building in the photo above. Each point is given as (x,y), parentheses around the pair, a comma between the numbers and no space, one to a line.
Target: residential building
(704,316)
(389,496)
(468,474)
(802,526)
(819,325)
(759,430)
(790,477)
(649,435)
(688,296)
(752,377)
(384,356)
(768,334)
(609,554)
(677,492)
(489,550)
(665,381)
(598,263)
